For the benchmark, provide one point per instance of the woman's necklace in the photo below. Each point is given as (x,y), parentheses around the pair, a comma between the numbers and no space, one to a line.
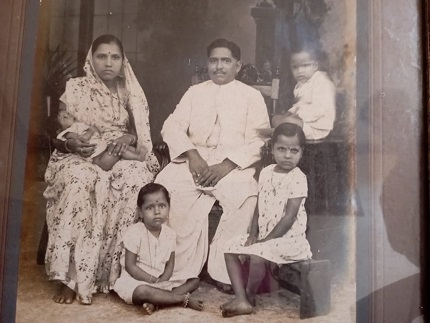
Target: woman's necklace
(275,186)
(115,102)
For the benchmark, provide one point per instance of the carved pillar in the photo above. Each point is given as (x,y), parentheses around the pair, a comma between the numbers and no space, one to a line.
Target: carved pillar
(265,17)
(85,31)
(273,43)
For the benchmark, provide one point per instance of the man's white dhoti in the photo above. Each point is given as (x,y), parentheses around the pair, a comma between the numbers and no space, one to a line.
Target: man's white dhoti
(189,211)
(219,122)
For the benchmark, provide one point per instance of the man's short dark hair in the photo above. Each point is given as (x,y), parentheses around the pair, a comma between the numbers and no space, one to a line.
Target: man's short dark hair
(224,43)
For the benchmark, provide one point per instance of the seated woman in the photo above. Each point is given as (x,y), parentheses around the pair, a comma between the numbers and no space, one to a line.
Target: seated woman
(88,209)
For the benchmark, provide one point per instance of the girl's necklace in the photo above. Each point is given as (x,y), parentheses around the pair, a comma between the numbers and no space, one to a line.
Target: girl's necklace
(149,247)
(275,186)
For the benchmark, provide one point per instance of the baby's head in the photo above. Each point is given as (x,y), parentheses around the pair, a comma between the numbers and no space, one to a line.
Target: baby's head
(58,122)
(288,141)
(153,203)
(65,119)
(304,63)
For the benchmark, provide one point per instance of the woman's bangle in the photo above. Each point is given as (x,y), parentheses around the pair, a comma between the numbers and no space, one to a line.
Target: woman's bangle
(157,280)
(65,146)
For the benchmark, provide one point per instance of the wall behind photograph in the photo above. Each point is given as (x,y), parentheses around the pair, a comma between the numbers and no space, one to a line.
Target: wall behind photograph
(164,40)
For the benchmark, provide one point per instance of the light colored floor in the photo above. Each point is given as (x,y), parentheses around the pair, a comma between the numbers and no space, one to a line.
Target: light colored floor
(34,302)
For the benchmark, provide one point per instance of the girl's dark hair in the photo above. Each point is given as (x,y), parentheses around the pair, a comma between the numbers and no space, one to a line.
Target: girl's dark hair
(106,39)
(149,189)
(289,130)
(224,43)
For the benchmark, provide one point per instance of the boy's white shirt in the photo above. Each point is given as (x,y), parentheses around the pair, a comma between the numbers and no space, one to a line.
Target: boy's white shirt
(315,105)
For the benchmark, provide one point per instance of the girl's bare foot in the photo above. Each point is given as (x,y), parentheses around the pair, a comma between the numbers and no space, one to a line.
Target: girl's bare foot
(251,299)
(148,308)
(223,306)
(195,304)
(237,307)
(65,295)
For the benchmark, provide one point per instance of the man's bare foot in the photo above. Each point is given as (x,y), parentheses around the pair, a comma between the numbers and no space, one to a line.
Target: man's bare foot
(195,304)
(148,308)
(237,307)
(65,295)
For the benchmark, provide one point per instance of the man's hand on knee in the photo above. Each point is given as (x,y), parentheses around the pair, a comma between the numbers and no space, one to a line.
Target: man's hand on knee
(215,173)
(196,163)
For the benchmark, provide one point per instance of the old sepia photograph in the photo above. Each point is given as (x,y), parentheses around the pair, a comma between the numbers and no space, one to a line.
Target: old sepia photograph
(209,160)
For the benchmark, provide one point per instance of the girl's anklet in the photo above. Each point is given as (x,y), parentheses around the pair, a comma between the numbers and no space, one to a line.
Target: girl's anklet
(187,299)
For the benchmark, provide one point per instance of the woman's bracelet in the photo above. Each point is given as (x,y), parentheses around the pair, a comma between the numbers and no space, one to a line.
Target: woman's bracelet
(65,146)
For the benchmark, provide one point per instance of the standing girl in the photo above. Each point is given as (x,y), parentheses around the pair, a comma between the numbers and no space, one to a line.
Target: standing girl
(278,229)
(148,258)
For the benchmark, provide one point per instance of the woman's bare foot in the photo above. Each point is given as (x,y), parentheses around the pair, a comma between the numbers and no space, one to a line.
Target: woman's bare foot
(148,308)
(237,307)
(195,304)
(65,295)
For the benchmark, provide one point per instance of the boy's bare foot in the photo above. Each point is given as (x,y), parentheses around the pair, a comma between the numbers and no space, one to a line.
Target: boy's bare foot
(195,304)
(148,308)
(236,308)
(65,295)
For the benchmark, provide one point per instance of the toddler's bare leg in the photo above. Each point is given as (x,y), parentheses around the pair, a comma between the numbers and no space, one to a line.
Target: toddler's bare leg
(147,294)
(132,153)
(188,287)
(105,161)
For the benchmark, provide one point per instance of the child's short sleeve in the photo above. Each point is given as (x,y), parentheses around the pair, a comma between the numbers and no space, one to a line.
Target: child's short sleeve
(131,239)
(299,185)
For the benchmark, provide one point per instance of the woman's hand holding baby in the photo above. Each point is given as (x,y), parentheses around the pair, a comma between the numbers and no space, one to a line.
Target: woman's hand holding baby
(120,145)
(80,147)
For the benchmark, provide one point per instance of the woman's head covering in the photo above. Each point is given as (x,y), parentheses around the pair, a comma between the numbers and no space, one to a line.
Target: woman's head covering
(137,104)
(82,92)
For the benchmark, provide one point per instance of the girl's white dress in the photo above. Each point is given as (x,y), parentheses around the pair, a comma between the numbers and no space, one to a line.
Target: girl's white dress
(274,190)
(152,256)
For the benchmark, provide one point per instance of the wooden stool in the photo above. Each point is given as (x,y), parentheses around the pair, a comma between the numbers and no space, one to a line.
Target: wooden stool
(311,280)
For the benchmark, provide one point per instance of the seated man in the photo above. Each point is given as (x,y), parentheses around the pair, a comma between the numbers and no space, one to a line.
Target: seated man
(213,144)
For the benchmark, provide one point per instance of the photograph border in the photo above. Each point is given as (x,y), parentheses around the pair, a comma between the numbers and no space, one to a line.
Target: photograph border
(19,35)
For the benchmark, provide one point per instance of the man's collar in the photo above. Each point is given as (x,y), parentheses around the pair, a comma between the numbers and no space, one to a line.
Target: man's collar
(226,86)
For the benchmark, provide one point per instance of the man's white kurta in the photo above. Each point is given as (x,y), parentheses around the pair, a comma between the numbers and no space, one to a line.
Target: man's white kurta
(220,121)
